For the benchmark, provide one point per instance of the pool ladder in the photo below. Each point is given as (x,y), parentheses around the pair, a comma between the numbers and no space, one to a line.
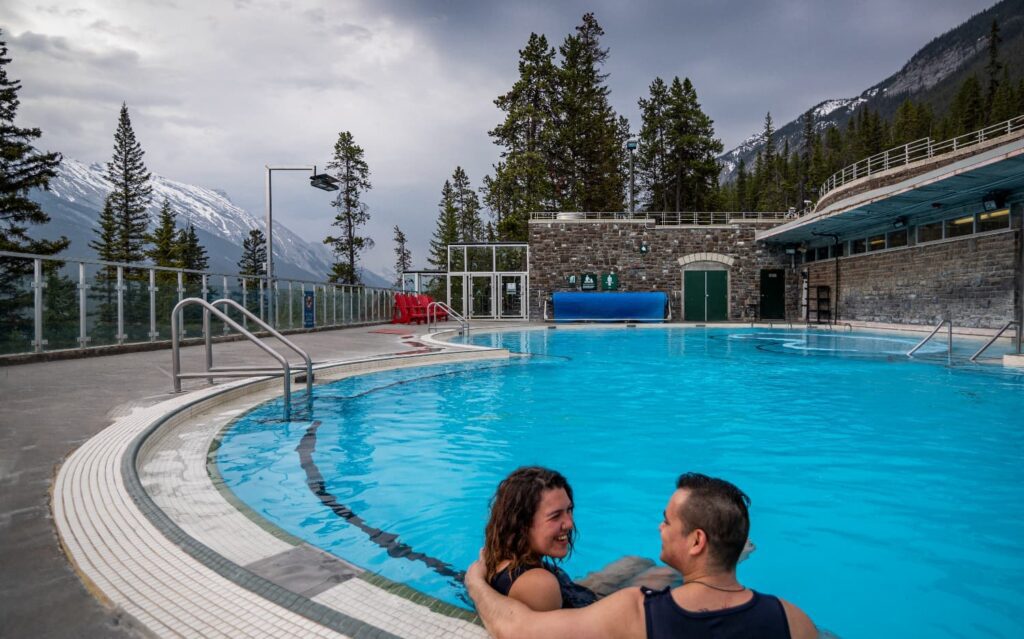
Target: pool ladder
(210,372)
(432,317)
(949,339)
(992,341)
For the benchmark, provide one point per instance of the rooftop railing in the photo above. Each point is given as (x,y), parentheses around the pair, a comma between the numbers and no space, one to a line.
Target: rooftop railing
(663,218)
(49,303)
(913,151)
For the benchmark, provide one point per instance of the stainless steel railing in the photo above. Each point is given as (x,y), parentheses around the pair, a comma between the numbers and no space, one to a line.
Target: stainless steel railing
(209,374)
(949,338)
(664,218)
(432,309)
(997,336)
(913,151)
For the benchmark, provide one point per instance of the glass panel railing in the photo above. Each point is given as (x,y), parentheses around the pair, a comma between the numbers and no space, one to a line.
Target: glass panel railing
(101,305)
(192,316)
(215,291)
(16,305)
(60,305)
(136,305)
(166,298)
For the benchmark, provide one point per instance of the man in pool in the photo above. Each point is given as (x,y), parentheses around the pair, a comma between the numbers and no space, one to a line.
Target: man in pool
(703,532)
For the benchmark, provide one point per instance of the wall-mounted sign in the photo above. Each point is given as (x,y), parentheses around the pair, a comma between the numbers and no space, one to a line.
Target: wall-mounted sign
(573,280)
(609,281)
(589,282)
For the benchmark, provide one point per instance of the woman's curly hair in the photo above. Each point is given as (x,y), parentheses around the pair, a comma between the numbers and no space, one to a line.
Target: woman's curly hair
(507,536)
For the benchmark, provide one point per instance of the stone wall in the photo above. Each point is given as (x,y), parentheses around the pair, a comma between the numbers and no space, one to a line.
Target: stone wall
(974,281)
(559,249)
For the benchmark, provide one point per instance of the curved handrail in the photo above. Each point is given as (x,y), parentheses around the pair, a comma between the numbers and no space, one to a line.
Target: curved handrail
(997,336)
(914,151)
(911,352)
(432,316)
(284,340)
(176,373)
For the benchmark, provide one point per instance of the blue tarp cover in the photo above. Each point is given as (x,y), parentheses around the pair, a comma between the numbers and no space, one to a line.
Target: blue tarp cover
(609,307)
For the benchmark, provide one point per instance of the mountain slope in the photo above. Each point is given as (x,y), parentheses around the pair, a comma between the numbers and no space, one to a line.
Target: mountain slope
(76,196)
(931,76)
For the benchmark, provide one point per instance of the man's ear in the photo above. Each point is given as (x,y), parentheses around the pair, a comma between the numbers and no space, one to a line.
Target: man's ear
(698,541)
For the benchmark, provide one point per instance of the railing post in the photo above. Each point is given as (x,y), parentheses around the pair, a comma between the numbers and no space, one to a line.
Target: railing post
(152,305)
(290,321)
(181,296)
(37,304)
(261,299)
(245,300)
(83,329)
(224,293)
(121,337)
(207,341)
(334,304)
(323,303)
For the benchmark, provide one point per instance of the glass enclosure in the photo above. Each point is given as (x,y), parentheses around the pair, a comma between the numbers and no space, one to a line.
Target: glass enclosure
(488,281)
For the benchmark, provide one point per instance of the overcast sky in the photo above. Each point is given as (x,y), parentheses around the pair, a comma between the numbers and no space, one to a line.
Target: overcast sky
(217,88)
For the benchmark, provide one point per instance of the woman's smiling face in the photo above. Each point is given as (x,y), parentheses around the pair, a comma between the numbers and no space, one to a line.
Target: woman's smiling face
(552,526)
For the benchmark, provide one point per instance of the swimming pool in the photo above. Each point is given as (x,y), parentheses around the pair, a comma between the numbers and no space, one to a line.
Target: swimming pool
(885,490)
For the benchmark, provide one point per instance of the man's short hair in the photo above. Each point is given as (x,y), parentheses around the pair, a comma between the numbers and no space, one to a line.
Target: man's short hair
(720,510)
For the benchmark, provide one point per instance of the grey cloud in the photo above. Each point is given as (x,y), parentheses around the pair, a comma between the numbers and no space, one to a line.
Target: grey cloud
(58,48)
(113,29)
(354,31)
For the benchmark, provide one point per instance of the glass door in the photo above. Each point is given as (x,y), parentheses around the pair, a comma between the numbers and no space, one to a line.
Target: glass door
(510,297)
(482,297)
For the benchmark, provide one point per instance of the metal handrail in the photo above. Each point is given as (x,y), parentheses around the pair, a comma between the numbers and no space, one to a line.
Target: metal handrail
(997,336)
(913,151)
(664,218)
(432,316)
(249,314)
(911,352)
(177,375)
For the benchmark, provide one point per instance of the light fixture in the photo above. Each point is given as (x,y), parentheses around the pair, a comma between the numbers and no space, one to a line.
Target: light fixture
(994,201)
(899,222)
(324,182)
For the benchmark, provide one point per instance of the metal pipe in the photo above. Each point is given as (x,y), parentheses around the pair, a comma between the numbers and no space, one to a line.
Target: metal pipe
(37,305)
(83,334)
(120,305)
(270,329)
(207,342)
(930,335)
(995,337)
(152,305)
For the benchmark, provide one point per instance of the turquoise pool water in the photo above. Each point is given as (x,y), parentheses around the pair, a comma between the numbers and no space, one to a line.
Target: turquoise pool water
(886,492)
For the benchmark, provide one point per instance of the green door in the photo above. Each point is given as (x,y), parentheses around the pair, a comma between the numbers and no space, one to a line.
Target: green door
(705,297)
(718,305)
(693,296)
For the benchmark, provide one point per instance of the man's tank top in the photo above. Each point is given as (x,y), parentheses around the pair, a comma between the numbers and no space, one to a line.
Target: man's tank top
(573,594)
(763,617)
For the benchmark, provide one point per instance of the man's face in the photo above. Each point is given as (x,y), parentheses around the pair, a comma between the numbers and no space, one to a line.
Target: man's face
(673,537)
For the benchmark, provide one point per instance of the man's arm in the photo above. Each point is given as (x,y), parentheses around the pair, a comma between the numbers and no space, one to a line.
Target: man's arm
(618,616)
(800,625)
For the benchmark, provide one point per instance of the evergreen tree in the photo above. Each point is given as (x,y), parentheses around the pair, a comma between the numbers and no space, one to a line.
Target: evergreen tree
(967,112)
(588,152)
(254,255)
(742,197)
(163,239)
(766,174)
(1003,101)
(22,168)
(693,148)
(994,66)
(447,231)
(403,257)
(468,207)
(654,177)
(806,159)
(524,178)
(191,254)
(351,170)
(129,199)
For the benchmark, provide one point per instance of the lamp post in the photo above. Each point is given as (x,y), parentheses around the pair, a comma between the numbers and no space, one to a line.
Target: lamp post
(631,145)
(321,181)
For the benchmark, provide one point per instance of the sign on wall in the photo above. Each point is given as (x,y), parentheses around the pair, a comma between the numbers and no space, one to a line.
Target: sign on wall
(573,280)
(609,281)
(308,309)
(589,282)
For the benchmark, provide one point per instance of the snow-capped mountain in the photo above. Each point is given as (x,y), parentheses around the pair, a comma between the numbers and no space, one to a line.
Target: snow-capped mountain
(931,76)
(76,196)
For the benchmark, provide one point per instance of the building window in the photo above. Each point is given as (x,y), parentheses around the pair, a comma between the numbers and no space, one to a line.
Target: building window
(840,249)
(897,238)
(822,252)
(994,220)
(858,246)
(960,226)
(929,232)
(876,242)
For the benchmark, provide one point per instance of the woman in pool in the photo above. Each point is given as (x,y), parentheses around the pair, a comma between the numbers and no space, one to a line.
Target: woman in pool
(531,519)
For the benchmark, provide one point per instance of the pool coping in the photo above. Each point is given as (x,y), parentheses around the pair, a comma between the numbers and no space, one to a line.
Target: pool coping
(133,556)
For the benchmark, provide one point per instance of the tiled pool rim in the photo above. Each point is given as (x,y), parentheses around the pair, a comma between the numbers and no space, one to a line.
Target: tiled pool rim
(93,519)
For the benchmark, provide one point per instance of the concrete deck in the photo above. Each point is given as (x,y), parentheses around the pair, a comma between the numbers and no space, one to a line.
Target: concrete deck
(50,409)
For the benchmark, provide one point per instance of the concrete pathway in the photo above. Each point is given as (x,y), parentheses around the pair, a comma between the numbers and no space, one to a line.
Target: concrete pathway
(49,409)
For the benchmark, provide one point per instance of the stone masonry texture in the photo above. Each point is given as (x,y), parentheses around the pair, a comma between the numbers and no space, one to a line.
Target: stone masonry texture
(561,248)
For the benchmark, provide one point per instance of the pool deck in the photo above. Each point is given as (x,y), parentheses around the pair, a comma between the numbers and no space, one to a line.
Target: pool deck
(62,410)
(48,410)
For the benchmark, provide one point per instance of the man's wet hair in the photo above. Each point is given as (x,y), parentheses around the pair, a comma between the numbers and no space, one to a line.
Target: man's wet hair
(719,509)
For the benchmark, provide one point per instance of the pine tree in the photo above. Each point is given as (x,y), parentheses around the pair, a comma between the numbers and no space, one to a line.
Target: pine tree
(351,170)
(742,201)
(993,68)
(588,150)
(22,168)
(1003,102)
(524,178)
(254,255)
(468,207)
(191,254)
(163,239)
(403,257)
(652,163)
(967,112)
(129,199)
(692,148)
(447,231)
(766,174)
